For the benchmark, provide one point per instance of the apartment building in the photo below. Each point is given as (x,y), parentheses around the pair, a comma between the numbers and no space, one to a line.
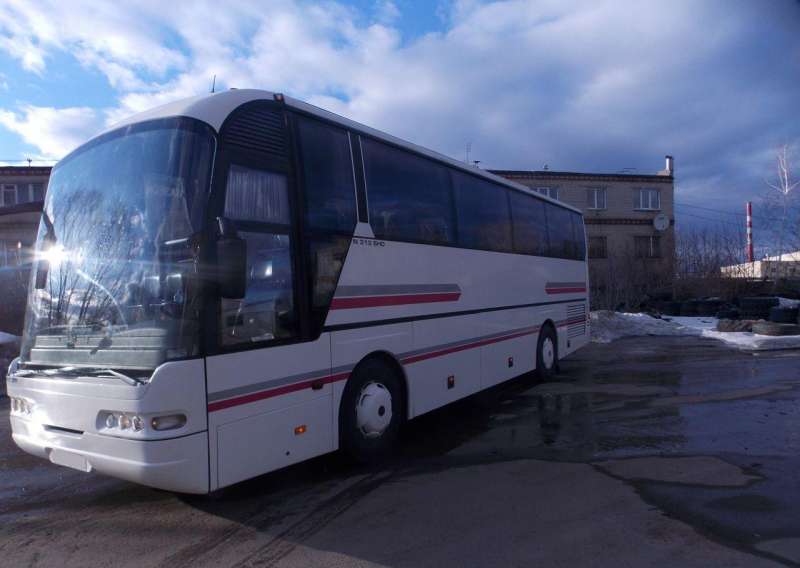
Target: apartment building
(22,191)
(630,219)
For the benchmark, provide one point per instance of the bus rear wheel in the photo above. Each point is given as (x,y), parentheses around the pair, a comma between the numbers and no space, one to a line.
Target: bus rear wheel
(546,353)
(371,412)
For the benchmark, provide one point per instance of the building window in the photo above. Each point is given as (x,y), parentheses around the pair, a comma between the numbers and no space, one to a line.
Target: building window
(8,195)
(596,197)
(647,247)
(37,192)
(648,199)
(598,247)
(10,253)
(551,192)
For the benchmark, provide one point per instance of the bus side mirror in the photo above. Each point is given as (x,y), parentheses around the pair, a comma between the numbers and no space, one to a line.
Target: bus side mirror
(231,262)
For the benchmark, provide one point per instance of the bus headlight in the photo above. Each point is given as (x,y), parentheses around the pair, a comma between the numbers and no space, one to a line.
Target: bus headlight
(21,407)
(121,421)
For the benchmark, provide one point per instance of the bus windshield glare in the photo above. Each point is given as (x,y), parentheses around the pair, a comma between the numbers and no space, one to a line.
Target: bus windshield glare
(114,282)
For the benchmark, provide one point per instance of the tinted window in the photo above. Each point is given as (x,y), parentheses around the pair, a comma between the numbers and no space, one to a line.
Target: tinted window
(530,224)
(560,233)
(267,310)
(328,176)
(579,237)
(484,219)
(409,197)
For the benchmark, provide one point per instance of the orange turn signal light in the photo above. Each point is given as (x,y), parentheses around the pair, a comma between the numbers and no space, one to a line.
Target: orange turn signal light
(300,430)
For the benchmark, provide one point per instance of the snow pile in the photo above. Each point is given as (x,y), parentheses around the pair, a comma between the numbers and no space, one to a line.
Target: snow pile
(741,339)
(607,326)
(753,342)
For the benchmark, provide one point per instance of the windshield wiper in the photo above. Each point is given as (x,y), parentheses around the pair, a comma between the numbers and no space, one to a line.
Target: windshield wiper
(98,372)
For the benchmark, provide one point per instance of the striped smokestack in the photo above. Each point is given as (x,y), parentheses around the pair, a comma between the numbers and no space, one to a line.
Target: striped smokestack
(750,231)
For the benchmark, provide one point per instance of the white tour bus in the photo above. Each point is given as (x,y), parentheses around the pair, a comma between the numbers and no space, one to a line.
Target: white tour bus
(233,283)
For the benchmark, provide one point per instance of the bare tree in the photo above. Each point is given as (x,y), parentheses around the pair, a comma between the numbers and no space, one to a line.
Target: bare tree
(782,198)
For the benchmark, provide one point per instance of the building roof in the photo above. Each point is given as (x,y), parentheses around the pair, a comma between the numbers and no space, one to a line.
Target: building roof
(25,170)
(580,176)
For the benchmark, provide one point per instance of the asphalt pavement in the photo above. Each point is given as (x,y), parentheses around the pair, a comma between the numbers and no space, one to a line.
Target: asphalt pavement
(642,452)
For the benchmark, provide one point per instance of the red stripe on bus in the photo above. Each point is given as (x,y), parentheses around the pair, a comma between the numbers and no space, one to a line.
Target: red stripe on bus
(397,300)
(262,395)
(265,394)
(572,321)
(447,351)
(564,290)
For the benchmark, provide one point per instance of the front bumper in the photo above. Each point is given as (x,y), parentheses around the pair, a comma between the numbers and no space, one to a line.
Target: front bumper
(178,464)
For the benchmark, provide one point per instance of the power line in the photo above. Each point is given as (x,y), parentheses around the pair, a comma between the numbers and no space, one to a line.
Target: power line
(722,221)
(756,217)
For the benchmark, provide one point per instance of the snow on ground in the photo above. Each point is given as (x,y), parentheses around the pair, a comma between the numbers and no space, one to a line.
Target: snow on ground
(609,326)
(787,303)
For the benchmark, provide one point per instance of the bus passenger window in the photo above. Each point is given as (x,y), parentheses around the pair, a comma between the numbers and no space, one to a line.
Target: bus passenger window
(328,177)
(560,232)
(484,218)
(409,197)
(530,224)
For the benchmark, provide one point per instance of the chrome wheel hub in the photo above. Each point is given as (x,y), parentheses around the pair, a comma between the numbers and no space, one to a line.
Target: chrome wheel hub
(373,410)
(548,353)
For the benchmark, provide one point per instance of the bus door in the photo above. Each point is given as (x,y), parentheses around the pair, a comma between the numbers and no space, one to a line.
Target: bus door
(269,392)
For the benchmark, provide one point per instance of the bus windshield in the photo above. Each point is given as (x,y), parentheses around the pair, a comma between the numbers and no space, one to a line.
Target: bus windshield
(114,282)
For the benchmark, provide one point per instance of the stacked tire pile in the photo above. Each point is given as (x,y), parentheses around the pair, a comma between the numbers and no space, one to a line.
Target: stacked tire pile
(763,316)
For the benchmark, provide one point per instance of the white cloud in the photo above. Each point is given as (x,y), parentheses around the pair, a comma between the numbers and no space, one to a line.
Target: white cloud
(387,11)
(588,86)
(55,132)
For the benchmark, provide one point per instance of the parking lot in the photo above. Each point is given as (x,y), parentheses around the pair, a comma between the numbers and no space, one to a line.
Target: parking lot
(644,452)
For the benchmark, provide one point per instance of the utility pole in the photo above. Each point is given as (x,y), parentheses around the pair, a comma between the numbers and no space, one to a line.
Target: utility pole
(749,209)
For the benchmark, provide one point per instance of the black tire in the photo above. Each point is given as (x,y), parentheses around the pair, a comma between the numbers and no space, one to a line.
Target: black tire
(689,308)
(728,314)
(708,307)
(370,379)
(775,329)
(543,371)
(758,304)
(783,315)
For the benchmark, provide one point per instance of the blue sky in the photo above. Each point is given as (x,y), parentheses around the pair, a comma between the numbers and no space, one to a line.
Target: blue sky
(586,86)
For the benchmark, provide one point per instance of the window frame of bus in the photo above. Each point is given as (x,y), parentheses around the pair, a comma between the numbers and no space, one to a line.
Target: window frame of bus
(316,318)
(227,156)
(447,170)
(359,136)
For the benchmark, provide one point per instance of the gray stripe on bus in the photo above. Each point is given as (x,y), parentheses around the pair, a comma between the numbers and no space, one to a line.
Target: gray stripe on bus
(300,377)
(564,284)
(463,342)
(273,383)
(384,289)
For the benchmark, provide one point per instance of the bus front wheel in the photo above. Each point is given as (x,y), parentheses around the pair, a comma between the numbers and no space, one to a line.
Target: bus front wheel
(546,353)
(371,411)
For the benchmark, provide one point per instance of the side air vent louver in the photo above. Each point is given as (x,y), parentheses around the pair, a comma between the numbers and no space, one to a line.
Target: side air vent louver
(258,130)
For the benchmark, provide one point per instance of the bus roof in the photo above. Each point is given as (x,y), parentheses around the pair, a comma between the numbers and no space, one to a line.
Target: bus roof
(214,108)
